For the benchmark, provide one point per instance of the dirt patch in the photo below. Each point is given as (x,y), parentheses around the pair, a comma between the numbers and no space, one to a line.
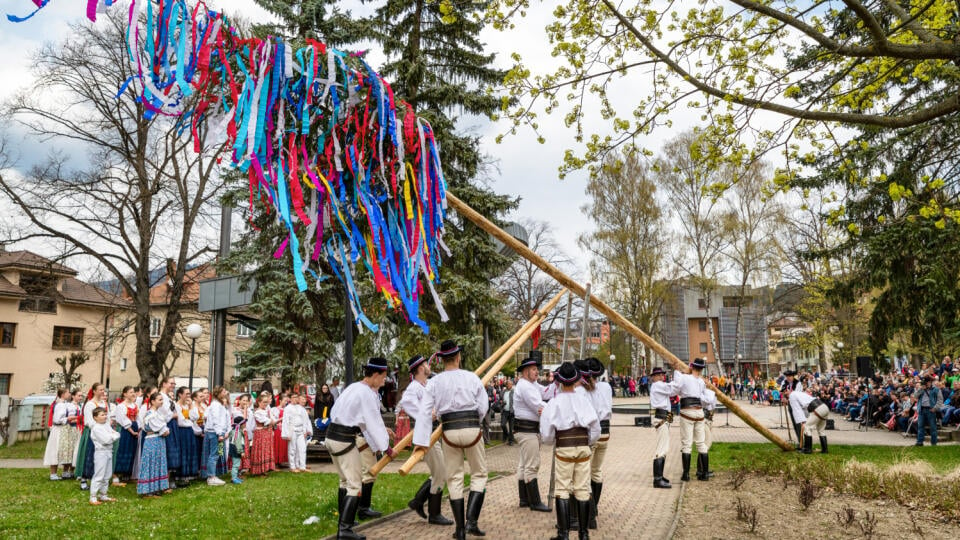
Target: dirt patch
(710,510)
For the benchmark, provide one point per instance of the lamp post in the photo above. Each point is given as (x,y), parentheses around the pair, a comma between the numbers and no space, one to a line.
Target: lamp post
(193,332)
(840,353)
(613,367)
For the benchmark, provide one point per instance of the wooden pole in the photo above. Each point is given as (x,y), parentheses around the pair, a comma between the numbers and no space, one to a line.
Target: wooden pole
(469,213)
(535,319)
(418,454)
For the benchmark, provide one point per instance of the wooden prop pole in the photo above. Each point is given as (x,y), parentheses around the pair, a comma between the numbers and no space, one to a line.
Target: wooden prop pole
(418,454)
(469,213)
(535,319)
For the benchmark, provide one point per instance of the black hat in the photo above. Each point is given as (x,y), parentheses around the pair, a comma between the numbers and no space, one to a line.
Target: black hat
(376,364)
(596,367)
(448,348)
(414,362)
(237,420)
(567,373)
(698,363)
(582,366)
(657,371)
(534,359)
(790,373)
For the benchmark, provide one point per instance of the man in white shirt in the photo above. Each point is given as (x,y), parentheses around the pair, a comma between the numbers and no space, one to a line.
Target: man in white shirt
(356,411)
(506,417)
(802,403)
(601,396)
(709,400)
(660,394)
(527,405)
(459,399)
(691,387)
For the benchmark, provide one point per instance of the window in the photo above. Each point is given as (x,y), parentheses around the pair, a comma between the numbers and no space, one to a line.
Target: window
(236,364)
(155,327)
(4,384)
(702,303)
(245,331)
(703,348)
(702,325)
(41,293)
(8,332)
(65,337)
(123,364)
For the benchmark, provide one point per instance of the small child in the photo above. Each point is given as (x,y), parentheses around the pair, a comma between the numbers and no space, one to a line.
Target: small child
(104,436)
(236,445)
(296,430)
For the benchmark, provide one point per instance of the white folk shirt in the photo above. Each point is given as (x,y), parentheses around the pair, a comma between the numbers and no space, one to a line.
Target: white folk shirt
(569,410)
(155,422)
(216,419)
(88,408)
(456,390)
(798,404)
(550,390)
(688,386)
(709,400)
(359,406)
(167,408)
(103,436)
(120,415)
(527,400)
(602,399)
(60,411)
(660,394)
(296,421)
(412,401)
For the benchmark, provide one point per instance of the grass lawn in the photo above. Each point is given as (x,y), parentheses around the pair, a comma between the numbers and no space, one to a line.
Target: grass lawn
(270,507)
(765,456)
(24,450)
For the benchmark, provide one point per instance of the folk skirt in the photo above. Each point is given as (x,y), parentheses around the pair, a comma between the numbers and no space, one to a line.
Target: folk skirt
(67,445)
(173,445)
(261,452)
(84,458)
(51,455)
(153,475)
(189,458)
(126,452)
(279,447)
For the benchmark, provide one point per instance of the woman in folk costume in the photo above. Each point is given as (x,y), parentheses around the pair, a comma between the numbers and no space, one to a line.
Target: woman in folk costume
(83,461)
(279,443)
(144,407)
(126,417)
(198,405)
(186,437)
(69,433)
(242,409)
(261,448)
(154,475)
(57,421)
(169,411)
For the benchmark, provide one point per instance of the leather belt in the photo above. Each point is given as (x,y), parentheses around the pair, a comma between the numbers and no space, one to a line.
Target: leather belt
(521,425)
(690,403)
(605,427)
(573,460)
(661,414)
(578,436)
(690,418)
(813,405)
(341,433)
(443,435)
(460,420)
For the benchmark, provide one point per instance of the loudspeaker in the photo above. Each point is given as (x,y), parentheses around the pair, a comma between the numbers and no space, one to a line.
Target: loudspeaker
(864,367)
(830,424)
(642,421)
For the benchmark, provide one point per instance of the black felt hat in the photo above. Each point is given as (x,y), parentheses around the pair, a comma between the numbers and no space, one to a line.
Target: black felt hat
(596,367)
(567,373)
(535,358)
(698,363)
(377,364)
(449,348)
(582,366)
(414,362)
(657,371)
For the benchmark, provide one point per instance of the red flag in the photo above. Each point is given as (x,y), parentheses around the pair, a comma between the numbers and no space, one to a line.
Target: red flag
(536,337)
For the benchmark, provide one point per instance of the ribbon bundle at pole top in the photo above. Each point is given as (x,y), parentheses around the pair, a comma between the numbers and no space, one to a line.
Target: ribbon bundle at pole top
(350,171)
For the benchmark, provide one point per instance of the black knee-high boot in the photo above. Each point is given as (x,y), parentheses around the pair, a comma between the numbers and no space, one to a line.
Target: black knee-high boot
(347,517)
(522,488)
(365,511)
(474,505)
(456,506)
(823,445)
(436,518)
(416,504)
(563,519)
(685,459)
(583,508)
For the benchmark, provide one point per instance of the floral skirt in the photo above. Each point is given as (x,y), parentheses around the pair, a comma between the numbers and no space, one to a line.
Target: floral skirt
(67,444)
(261,452)
(153,467)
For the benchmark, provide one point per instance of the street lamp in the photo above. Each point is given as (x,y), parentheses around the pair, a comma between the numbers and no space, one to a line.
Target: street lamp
(840,353)
(193,332)
(613,358)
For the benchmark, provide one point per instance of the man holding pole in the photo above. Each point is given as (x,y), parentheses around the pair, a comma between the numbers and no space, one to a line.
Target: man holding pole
(460,400)
(709,400)
(412,402)
(527,406)
(660,394)
(691,389)
(601,395)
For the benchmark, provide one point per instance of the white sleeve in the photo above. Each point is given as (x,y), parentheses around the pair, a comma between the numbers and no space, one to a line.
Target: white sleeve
(374,431)
(194,414)
(60,414)
(286,429)
(424,426)
(547,429)
(120,416)
(593,424)
(261,416)
(481,395)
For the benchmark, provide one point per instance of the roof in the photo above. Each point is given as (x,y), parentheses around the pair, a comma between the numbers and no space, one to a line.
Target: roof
(9,289)
(31,261)
(78,292)
(160,293)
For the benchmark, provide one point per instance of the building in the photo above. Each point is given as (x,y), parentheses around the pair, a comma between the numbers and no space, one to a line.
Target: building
(123,370)
(686,327)
(47,313)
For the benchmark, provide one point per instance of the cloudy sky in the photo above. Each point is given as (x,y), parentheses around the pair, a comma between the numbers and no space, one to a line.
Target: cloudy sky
(526,169)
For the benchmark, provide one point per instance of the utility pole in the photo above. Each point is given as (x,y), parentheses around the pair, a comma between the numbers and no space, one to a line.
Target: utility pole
(347,338)
(219,333)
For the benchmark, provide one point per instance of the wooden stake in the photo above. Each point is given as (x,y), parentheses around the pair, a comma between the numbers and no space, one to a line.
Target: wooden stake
(469,213)
(535,319)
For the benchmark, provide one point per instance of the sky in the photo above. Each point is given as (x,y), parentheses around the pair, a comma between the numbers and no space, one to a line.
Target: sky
(524,168)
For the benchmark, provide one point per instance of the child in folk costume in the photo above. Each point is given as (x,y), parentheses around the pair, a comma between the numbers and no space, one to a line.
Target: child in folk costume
(236,444)
(58,419)
(216,426)
(186,437)
(126,416)
(154,473)
(296,432)
(83,461)
(69,433)
(261,448)
(279,443)
(571,420)
(103,436)
(242,409)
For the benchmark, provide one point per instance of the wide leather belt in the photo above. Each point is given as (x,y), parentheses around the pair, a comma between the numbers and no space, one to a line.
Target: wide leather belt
(605,427)
(813,405)
(707,415)
(340,433)
(413,423)
(578,436)
(661,414)
(521,425)
(690,403)
(460,420)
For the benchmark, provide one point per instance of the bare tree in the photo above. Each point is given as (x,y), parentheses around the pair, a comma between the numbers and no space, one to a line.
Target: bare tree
(688,179)
(750,225)
(629,245)
(526,287)
(145,196)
